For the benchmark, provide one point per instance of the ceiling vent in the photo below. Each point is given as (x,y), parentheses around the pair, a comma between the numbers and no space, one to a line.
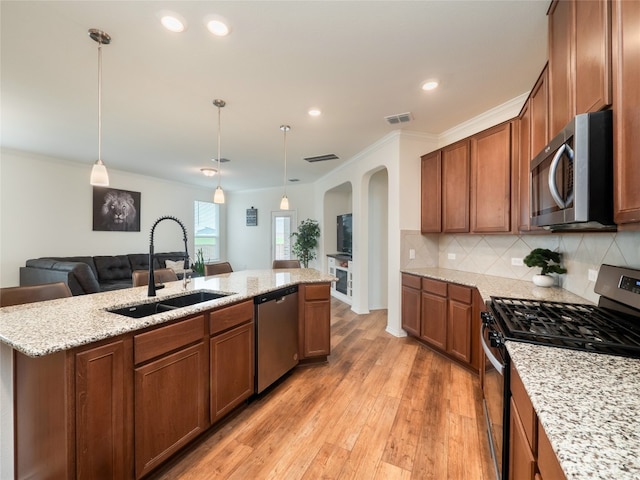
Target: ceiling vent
(400,118)
(322,158)
(222,160)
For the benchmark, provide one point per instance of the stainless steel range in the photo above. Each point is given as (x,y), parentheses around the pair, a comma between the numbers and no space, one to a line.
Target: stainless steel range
(612,327)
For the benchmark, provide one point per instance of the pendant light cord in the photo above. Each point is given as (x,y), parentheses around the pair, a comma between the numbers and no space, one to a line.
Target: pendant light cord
(284,180)
(100,101)
(218,146)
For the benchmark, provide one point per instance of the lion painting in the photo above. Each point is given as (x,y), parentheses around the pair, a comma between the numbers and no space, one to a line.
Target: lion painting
(115,210)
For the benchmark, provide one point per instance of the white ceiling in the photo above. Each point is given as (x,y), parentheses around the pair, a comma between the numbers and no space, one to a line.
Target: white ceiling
(358,61)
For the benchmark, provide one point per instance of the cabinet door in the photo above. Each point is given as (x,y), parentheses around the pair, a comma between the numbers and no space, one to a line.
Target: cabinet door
(491,180)
(548,464)
(231,367)
(317,329)
(539,104)
(411,310)
(626,116)
(561,73)
(459,330)
(431,191)
(455,188)
(522,463)
(434,320)
(524,149)
(171,406)
(592,55)
(103,411)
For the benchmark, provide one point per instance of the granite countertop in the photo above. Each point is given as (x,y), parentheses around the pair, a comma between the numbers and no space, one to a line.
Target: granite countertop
(42,328)
(588,403)
(589,406)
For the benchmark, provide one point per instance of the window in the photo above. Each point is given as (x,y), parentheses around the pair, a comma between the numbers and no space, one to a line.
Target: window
(282,225)
(207,230)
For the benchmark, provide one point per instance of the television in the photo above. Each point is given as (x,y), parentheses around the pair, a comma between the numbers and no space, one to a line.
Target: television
(345,234)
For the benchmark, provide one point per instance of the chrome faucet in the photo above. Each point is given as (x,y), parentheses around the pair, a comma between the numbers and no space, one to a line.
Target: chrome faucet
(152,282)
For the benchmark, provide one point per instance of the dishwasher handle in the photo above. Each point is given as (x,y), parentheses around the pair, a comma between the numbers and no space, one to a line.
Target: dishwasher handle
(277,295)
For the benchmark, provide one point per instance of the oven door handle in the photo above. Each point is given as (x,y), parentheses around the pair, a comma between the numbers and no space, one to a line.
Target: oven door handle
(487,351)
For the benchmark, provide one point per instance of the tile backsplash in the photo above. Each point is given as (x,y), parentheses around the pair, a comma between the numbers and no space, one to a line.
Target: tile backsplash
(492,254)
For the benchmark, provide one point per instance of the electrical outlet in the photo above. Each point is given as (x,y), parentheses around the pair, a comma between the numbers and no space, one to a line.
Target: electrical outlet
(451,256)
(517,262)
(412,253)
(593,275)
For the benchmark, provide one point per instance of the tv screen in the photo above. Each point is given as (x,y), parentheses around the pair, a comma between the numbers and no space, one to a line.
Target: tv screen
(345,233)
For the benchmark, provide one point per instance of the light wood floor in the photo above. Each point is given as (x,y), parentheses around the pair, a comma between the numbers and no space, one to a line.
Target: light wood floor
(383,408)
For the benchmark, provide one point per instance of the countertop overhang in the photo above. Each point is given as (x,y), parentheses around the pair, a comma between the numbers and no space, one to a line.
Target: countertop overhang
(43,328)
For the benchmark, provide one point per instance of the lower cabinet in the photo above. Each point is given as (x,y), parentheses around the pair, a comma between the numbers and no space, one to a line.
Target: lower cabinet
(231,358)
(314,327)
(171,391)
(530,454)
(443,315)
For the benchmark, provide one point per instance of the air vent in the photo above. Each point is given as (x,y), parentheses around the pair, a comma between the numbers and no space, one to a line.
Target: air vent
(400,118)
(294,179)
(322,158)
(222,160)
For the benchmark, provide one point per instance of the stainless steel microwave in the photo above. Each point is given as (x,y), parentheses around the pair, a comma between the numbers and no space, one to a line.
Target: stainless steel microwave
(571,179)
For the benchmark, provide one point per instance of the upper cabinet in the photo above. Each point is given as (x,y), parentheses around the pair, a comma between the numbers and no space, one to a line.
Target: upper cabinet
(455,187)
(626,111)
(491,180)
(579,59)
(431,194)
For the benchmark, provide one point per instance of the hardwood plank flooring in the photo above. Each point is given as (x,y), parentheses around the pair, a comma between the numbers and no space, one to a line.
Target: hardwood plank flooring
(382,408)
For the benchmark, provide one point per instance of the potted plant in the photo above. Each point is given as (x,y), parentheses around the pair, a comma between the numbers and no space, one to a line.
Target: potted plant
(548,261)
(198,265)
(306,241)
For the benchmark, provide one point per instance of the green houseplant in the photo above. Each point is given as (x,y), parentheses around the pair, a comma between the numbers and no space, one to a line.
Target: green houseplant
(306,240)
(198,265)
(548,261)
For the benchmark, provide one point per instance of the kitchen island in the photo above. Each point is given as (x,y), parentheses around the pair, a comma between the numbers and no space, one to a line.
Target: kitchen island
(587,403)
(73,357)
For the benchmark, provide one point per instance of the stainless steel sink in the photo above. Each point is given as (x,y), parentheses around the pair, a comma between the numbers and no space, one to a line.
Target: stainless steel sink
(166,304)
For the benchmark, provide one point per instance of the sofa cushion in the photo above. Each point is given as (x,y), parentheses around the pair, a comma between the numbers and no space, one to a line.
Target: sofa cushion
(113,267)
(83,259)
(140,261)
(163,257)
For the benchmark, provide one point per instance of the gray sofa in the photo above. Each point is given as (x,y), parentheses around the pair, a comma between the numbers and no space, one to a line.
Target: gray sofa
(91,274)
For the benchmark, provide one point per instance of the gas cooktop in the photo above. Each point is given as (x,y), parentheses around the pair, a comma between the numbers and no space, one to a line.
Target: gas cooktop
(577,326)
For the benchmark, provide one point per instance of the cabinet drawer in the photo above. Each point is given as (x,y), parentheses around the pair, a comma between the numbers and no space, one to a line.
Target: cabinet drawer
(229,317)
(166,339)
(434,286)
(459,293)
(319,291)
(411,281)
(525,408)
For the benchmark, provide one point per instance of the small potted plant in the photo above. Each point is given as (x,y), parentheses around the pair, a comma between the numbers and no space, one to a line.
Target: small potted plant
(198,265)
(306,241)
(548,261)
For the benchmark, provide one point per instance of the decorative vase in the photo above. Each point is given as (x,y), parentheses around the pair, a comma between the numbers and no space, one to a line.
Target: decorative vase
(543,280)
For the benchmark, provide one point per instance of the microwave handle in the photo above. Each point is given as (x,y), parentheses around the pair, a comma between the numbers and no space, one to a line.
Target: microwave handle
(553,188)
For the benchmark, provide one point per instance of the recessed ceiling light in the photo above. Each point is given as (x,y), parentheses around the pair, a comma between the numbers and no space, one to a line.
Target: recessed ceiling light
(314,112)
(172,21)
(430,85)
(208,172)
(217,25)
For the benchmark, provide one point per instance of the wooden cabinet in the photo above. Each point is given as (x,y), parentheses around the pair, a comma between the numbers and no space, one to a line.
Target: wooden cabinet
(171,391)
(433,326)
(455,188)
(579,59)
(491,178)
(444,316)
(561,34)
(431,191)
(104,411)
(626,112)
(231,358)
(539,106)
(411,304)
(530,453)
(314,328)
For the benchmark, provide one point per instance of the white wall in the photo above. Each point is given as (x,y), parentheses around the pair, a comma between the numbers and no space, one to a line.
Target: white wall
(46,210)
(378,237)
(250,247)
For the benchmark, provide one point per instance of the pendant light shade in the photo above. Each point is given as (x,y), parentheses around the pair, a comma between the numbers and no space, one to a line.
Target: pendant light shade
(218,196)
(284,203)
(99,174)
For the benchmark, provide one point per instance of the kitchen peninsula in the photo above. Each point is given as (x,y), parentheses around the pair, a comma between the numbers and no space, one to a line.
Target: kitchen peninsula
(99,394)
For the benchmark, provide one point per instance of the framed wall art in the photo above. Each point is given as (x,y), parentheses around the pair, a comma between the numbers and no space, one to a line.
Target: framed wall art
(115,210)
(252,217)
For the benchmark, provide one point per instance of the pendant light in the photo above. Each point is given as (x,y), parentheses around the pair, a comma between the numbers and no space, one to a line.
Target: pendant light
(99,175)
(284,203)
(218,196)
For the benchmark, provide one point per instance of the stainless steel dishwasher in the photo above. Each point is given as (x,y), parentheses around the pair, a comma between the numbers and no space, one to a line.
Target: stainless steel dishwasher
(276,335)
